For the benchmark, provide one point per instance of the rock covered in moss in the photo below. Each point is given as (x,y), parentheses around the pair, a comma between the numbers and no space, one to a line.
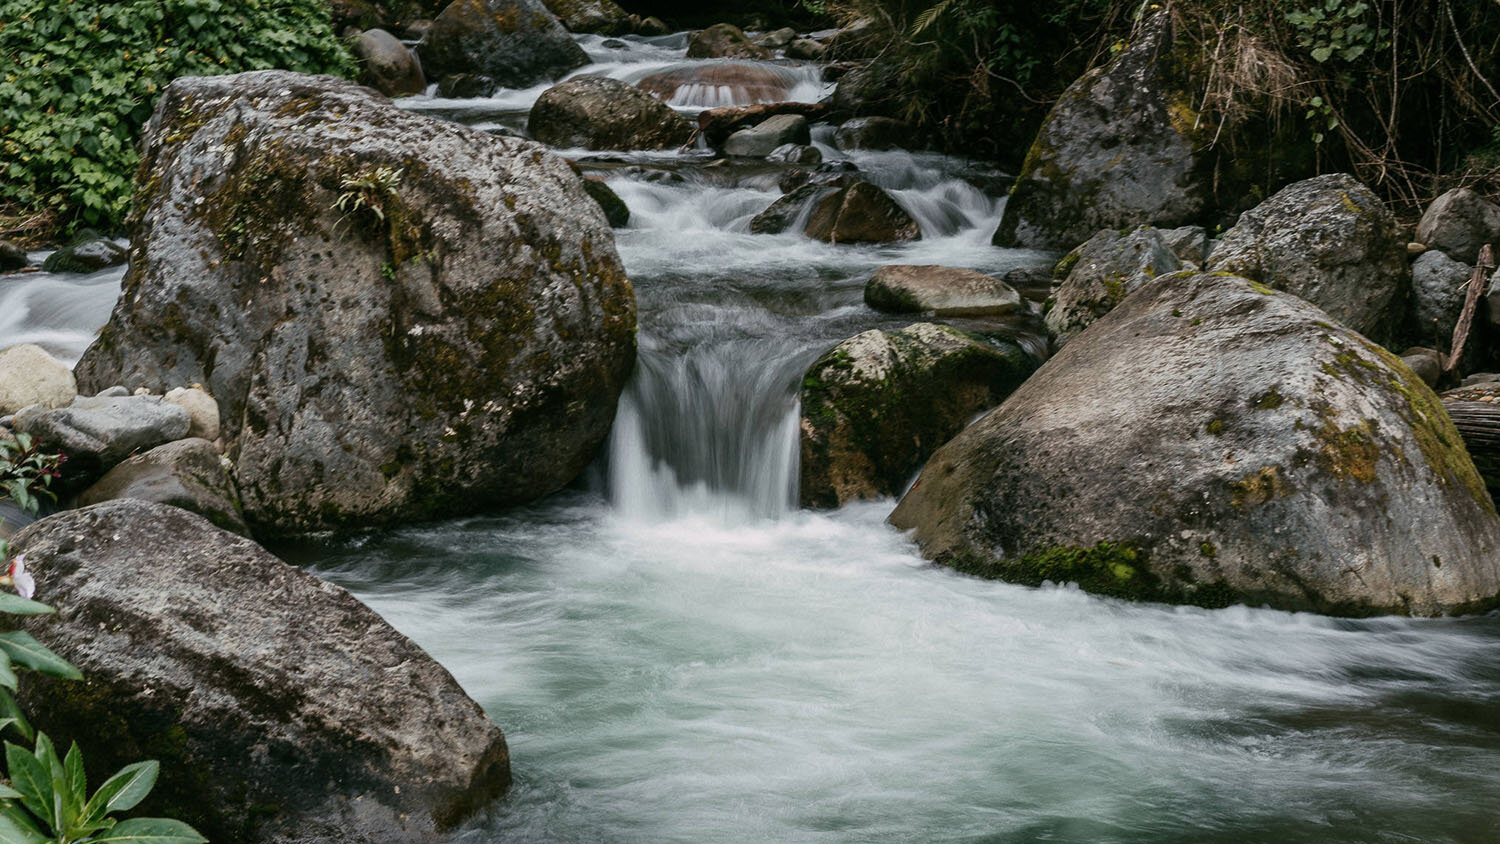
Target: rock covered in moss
(1458,223)
(596,112)
(517,43)
(87,255)
(1328,240)
(943,291)
(604,17)
(186,473)
(1101,273)
(615,210)
(1117,150)
(877,404)
(1210,441)
(280,707)
(368,367)
(387,65)
(724,41)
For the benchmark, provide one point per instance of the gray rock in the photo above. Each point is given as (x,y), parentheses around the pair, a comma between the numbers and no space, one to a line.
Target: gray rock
(30,376)
(763,138)
(1439,285)
(1188,243)
(89,256)
(806,49)
(796,154)
(861,213)
(873,133)
(837,174)
(281,708)
(465,86)
(1098,275)
(201,407)
(596,112)
(1116,151)
(415,30)
(387,65)
(1458,223)
(1212,441)
(604,17)
(1328,240)
(12,257)
(724,41)
(517,43)
(385,368)
(943,291)
(776,39)
(877,404)
(96,433)
(112,392)
(1426,363)
(186,473)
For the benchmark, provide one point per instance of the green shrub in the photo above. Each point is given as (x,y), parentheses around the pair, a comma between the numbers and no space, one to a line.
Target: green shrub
(82,76)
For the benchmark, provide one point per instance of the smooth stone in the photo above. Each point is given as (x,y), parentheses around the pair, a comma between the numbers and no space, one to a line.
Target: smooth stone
(31,376)
(942,291)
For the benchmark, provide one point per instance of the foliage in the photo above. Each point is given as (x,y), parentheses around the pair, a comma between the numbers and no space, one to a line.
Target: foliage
(82,77)
(26,472)
(367,193)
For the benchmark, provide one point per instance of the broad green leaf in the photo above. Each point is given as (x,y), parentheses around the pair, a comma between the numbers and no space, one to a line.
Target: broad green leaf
(7,674)
(8,793)
(152,831)
(13,831)
(124,790)
(29,653)
(13,716)
(75,789)
(16,605)
(31,778)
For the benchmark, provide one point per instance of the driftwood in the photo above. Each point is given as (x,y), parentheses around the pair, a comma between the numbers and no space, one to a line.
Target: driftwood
(1477,284)
(717,124)
(1479,424)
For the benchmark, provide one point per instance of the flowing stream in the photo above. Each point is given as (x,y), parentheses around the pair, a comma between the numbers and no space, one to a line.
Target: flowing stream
(677,654)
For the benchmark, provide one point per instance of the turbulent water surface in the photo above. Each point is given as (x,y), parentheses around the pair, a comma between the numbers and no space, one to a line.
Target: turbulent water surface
(677,654)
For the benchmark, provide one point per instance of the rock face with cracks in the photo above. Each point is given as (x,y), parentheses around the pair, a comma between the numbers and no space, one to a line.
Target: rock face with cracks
(280,707)
(368,367)
(1211,441)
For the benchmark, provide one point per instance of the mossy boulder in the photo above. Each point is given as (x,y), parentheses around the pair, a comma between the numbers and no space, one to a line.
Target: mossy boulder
(1212,441)
(604,17)
(396,314)
(1331,241)
(876,405)
(1098,275)
(517,43)
(724,41)
(1121,148)
(280,707)
(596,112)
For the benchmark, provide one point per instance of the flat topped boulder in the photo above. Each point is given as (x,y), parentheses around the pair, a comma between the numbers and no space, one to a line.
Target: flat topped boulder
(395,314)
(943,291)
(96,433)
(1212,441)
(281,708)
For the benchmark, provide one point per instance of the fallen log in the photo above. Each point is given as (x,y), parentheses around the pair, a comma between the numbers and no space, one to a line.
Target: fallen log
(1479,424)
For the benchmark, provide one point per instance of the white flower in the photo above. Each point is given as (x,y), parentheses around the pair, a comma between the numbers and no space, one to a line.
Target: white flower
(23,581)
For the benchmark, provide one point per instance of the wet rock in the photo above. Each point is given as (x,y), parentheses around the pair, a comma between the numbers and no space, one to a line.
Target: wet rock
(389,367)
(386,65)
(724,41)
(12,257)
(777,39)
(596,112)
(604,17)
(780,215)
(1098,275)
(186,474)
(30,376)
(828,174)
(1212,441)
(517,43)
(1458,223)
(1328,240)
(806,49)
(1117,150)
(86,256)
(861,213)
(416,30)
(96,433)
(943,291)
(879,403)
(873,133)
(760,84)
(614,207)
(284,708)
(202,410)
(717,124)
(796,154)
(652,26)
(1439,285)
(1426,363)
(1188,243)
(464,86)
(761,139)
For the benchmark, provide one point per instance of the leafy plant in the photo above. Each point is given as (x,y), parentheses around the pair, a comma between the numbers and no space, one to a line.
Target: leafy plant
(1335,28)
(26,472)
(368,192)
(82,76)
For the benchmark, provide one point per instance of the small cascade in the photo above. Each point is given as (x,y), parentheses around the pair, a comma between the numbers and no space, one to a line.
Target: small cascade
(731,83)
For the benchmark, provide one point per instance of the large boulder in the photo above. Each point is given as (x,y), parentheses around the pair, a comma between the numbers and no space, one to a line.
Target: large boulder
(878,404)
(596,112)
(1213,441)
(28,375)
(1439,286)
(1458,223)
(1328,240)
(187,473)
(368,367)
(96,433)
(280,707)
(1098,275)
(604,17)
(724,41)
(765,137)
(517,43)
(861,213)
(942,291)
(1117,150)
(387,65)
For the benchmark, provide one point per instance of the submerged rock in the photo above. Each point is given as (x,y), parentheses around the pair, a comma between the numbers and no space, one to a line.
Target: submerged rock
(879,403)
(1458,223)
(943,291)
(596,112)
(1116,151)
(1098,275)
(724,41)
(186,473)
(281,708)
(30,376)
(517,43)
(1213,441)
(386,65)
(1328,240)
(368,368)
(465,86)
